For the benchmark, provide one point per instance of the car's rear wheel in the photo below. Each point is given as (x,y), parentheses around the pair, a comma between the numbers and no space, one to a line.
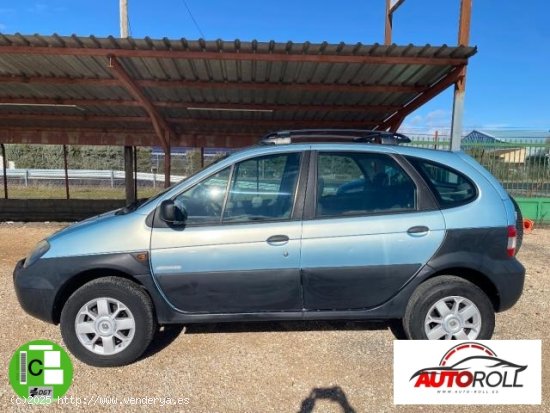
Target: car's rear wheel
(108,322)
(449,308)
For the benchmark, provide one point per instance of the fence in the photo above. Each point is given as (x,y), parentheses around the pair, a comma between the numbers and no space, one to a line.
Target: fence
(38,171)
(523,167)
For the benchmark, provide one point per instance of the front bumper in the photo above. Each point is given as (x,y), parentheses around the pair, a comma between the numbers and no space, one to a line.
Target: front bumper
(44,287)
(36,294)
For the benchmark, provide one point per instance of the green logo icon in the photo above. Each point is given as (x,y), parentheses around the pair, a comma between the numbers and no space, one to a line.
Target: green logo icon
(41,371)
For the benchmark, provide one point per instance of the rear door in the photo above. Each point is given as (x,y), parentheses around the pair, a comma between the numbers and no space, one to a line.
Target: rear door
(371,224)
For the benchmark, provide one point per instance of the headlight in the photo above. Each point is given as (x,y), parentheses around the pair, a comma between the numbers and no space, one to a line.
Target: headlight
(41,248)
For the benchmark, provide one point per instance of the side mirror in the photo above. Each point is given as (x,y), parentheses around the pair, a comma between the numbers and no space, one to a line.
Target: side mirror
(170,213)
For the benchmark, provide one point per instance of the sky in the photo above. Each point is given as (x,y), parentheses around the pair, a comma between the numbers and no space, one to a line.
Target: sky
(508,82)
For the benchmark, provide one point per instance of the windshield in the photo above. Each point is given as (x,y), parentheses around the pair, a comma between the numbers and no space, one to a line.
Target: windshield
(154,197)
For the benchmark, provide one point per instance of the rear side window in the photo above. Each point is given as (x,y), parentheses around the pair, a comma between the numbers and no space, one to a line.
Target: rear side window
(357,183)
(449,186)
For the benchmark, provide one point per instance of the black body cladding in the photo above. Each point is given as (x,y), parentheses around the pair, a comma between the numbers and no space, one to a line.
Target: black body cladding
(474,251)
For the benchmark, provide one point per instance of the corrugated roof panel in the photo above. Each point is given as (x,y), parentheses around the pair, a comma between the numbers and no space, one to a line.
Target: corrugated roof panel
(237,45)
(227,73)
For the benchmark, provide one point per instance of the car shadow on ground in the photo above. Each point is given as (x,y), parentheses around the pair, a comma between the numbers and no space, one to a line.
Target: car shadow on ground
(283,326)
(167,334)
(163,338)
(333,394)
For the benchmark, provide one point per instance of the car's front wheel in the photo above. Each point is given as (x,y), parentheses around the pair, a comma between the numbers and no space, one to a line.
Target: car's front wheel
(108,322)
(449,308)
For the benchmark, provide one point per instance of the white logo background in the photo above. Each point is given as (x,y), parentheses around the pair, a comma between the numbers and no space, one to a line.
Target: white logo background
(412,356)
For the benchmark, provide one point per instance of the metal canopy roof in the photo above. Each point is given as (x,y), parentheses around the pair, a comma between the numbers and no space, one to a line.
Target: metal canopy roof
(87,90)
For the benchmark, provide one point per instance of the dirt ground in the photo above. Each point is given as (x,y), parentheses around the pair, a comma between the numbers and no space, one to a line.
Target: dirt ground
(260,367)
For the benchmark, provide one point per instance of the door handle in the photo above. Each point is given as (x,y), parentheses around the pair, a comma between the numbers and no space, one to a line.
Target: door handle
(277,239)
(418,230)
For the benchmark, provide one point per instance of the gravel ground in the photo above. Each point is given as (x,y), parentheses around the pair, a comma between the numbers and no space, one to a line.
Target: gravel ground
(262,367)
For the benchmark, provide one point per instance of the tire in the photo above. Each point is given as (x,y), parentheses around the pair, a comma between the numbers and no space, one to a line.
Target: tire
(519,225)
(396,327)
(102,309)
(452,292)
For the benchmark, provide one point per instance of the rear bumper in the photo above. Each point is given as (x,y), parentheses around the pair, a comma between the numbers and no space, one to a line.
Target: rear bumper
(482,250)
(35,294)
(508,279)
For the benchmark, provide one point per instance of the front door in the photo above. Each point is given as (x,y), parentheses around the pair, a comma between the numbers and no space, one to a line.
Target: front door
(367,236)
(240,249)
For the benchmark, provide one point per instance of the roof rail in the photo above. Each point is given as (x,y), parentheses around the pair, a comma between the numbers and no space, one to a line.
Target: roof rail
(287,137)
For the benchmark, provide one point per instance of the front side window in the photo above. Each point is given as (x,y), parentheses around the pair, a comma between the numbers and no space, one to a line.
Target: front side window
(450,187)
(204,201)
(356,183)
(262,189)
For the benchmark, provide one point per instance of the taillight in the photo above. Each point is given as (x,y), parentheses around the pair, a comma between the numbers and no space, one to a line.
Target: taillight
(512,238)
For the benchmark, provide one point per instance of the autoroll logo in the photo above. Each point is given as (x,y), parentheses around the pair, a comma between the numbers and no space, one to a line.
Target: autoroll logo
(470,365)
(467,372)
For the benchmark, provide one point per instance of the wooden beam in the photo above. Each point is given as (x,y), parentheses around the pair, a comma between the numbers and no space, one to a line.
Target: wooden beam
(85,119)
(225,56)
(229,85)
(84,136)
(193,123)
(311,87)
(280,124)
(277,107)
(396,124)
(75,102)
(159,124)
(56,80)
(202,105)
(421,99)
(60,136)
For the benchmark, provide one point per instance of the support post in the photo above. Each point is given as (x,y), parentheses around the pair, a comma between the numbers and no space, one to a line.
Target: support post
(389,24)
(460,85)
(391,7)
(66,167)
(202,157)
(129,174)
(5,172)
(135,173)
(167,159)
(123,6)
(457,118)
(167,166)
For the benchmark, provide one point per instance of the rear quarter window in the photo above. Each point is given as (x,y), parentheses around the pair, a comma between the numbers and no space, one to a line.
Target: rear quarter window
(450,187)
